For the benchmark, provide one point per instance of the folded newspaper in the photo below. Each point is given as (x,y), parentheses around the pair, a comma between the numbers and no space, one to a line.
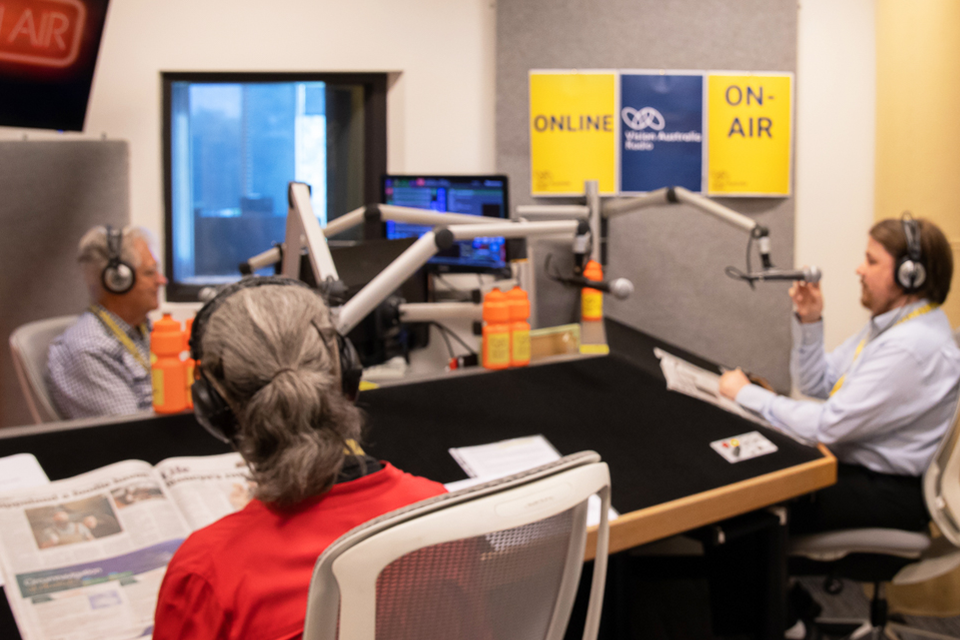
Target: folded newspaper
(687,378)
(83,558)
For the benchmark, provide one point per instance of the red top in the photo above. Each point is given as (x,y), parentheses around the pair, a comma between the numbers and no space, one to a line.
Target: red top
(247,575)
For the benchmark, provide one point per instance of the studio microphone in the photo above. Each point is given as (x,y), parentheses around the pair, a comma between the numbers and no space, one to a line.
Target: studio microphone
(619,288)
(807,274)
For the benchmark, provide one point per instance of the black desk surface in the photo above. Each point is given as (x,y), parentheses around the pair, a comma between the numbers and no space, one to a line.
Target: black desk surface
(656,442)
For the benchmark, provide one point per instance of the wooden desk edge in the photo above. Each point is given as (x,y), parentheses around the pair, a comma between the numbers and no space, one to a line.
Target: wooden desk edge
(670,518)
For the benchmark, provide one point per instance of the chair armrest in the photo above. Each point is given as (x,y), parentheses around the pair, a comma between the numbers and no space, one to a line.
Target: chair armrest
(833,545)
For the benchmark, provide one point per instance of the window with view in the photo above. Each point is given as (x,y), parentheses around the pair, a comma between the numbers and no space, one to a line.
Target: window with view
(234,141)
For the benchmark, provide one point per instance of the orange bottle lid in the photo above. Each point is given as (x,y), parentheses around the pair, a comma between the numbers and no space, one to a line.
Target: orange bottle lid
(166,337)
(593,271)
(495,307)
(519,304)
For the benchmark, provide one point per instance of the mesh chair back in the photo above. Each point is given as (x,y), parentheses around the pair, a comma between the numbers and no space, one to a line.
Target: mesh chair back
(941,484)
(29,344)
(501,560)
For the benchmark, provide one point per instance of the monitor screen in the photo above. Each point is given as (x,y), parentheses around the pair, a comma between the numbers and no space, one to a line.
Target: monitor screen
(473,195)
(48,52)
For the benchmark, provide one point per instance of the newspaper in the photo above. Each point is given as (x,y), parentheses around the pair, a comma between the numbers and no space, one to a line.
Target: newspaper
(694,381)
(487,462)
(83,558)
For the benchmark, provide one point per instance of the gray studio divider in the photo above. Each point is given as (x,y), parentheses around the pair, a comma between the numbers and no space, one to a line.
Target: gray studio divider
(51,192)
(674,255)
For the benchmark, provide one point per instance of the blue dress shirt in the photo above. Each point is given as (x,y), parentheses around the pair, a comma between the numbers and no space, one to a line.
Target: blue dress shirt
(898,396)
(91,373)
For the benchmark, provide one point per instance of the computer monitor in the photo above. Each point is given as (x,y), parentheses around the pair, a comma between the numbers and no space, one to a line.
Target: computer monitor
(474,195)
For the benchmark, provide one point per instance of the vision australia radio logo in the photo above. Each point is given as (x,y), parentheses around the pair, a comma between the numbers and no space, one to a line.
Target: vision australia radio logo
(661,132)
(647,128)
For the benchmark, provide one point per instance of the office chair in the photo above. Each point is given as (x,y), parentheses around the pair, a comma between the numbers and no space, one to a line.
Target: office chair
(892,555)
(498,560)
(29,344)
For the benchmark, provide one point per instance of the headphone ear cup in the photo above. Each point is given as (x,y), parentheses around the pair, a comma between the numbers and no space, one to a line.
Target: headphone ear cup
(351,369)
(212,411)
(118,278)
(910,274)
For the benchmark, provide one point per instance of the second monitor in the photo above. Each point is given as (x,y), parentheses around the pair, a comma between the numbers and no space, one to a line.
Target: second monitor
(474,195)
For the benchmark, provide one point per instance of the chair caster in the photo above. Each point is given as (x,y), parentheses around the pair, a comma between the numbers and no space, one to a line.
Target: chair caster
(832,585)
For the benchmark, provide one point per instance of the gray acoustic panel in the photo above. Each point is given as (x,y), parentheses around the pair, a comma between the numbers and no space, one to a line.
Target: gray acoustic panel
(53,191)
(674,255)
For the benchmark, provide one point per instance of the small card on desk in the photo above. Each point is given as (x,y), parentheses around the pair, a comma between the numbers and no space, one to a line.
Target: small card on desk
(743,447)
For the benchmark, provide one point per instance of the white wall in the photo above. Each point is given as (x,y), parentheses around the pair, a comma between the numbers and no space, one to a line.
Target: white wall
(440,108)
(836,122)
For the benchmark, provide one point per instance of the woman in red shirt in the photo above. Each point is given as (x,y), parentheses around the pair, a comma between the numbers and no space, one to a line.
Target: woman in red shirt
(270,382)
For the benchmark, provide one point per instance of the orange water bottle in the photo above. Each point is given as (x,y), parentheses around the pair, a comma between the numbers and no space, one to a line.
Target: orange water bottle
(496,330)
(591,300)
(519,305)
(167,371)
(188,362)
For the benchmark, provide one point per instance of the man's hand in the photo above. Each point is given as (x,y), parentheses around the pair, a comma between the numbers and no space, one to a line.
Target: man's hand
(807,301)
(731,382)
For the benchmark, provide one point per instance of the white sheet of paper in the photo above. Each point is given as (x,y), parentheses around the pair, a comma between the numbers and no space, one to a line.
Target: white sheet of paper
(487,462)
(21,471)
(504,458)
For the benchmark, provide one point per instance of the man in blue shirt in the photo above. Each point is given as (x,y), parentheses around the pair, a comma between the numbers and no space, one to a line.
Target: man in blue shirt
(889,392)
(101,365)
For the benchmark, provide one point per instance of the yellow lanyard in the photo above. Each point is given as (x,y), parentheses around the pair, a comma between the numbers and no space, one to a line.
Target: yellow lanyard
(122,336)
(927,308)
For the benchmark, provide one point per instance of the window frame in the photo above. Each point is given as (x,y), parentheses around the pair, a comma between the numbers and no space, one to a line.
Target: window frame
(374,142)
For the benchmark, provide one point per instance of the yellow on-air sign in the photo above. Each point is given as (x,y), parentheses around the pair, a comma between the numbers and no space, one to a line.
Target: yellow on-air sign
(573,128)
(750,132)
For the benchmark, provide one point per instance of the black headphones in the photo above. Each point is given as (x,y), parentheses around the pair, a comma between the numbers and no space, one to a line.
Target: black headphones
(209,407)
(910,272)
(118,276)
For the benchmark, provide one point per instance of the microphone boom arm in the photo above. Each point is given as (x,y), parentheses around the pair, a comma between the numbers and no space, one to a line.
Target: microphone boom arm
(679,195)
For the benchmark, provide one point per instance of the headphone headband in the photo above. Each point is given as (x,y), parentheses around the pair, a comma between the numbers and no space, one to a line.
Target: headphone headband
(210,408)
(117,277)
(208,309)
(910,272)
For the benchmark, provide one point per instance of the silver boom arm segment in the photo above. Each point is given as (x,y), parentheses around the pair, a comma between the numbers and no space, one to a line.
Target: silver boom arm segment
(679,195)
(303,230)
(388,280)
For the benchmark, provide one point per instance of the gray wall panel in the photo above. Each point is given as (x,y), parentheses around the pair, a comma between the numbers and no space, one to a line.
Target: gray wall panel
(674,255)
(53,191)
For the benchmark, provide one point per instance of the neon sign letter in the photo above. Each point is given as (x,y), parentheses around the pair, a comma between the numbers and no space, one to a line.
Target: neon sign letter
(45,33)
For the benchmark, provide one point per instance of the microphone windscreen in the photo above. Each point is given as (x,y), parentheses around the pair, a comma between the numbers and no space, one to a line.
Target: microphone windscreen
(811,274)
(621,288)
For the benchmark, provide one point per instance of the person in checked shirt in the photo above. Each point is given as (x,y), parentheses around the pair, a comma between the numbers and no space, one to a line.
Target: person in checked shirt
(101,365)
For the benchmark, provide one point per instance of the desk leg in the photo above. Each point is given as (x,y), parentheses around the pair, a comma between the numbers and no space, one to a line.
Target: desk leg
(747,571)
(615,619)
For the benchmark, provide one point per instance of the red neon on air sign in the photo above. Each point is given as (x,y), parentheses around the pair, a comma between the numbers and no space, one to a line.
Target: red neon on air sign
(44,33)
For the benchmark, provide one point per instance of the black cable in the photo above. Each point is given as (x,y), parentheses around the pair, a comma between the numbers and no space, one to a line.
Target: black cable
(450,286)
(546,269)
(445,339)
(446,330)
(733,272)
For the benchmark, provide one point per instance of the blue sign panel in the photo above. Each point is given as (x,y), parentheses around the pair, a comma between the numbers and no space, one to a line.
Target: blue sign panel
(661,131)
